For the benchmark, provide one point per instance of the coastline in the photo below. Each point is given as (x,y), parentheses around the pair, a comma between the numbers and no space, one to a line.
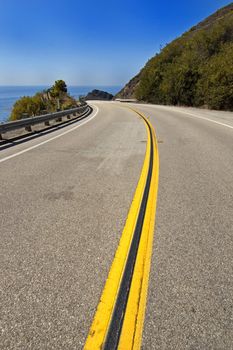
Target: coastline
(10,94)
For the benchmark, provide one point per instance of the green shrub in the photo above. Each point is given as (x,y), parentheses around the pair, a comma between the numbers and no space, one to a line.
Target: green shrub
(46,101)
(194,70)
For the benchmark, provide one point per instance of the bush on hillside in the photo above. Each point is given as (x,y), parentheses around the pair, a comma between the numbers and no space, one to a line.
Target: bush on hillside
(48,101)
(194,70)
(27,106)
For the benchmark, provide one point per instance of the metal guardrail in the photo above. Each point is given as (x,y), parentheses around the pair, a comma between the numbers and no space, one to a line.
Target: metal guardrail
(28,122)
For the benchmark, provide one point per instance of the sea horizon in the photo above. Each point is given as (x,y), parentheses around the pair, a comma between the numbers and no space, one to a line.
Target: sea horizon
(9,94)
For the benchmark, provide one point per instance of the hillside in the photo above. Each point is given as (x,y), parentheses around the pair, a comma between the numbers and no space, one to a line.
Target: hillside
(195,69)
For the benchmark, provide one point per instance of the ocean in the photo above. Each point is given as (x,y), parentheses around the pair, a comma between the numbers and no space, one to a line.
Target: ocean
(10,94)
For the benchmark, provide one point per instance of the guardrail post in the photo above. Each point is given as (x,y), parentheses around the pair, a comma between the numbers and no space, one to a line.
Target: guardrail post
(68,116)
(28,128)
(1,137)
(47,123)
(59,119)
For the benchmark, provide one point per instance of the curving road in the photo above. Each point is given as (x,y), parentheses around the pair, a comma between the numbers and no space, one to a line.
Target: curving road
(63,208)
(191,287)
(64,200)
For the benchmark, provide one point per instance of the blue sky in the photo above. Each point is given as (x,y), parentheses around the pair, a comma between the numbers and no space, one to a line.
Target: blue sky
(89,42)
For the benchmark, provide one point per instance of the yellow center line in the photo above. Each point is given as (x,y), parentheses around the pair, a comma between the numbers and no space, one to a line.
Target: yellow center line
(131,333)
(134,314)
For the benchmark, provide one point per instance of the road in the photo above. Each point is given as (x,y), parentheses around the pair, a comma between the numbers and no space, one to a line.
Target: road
(63,208)
(64,200)
(191,284)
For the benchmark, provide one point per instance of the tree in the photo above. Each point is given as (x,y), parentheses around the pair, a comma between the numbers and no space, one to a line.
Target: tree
(58,89)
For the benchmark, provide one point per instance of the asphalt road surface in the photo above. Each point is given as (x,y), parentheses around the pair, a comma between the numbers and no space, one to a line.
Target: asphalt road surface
(63,208)
(64,201)
(190,303)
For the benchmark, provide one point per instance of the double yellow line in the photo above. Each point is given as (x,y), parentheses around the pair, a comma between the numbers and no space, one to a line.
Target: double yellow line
(118,322)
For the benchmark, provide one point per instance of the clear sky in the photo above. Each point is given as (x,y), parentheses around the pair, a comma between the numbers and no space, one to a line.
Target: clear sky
(89,42)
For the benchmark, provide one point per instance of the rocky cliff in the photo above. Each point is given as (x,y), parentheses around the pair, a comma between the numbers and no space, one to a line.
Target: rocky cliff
(99,95)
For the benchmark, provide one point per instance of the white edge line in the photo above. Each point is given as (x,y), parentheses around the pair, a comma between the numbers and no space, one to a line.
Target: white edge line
(51,139)
(210,120)
(196,116)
